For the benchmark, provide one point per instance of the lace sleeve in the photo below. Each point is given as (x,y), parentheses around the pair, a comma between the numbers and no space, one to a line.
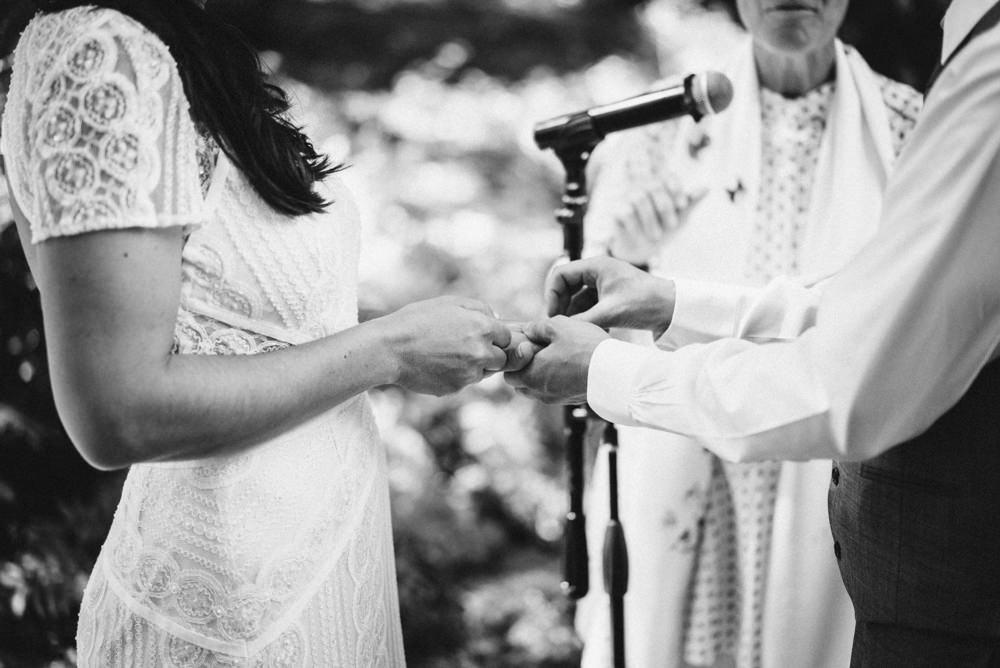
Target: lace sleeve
(98,129)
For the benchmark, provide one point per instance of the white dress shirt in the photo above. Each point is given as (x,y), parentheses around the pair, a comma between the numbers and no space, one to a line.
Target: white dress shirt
(959,21)
(895,338)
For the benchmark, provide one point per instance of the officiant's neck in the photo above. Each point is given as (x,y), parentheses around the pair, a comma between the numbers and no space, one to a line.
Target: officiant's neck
(794,73)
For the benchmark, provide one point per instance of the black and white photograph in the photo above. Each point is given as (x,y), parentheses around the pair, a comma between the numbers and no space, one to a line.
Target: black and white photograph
(499,333)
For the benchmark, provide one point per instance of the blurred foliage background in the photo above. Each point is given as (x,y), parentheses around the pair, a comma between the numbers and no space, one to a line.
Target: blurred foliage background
(431,102)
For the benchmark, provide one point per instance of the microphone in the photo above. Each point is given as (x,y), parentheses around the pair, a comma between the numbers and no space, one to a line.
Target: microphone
(697,94)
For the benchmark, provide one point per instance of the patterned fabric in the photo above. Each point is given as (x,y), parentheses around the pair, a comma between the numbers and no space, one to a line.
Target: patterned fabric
(904,105)
(280,555)
(731,577)
(791,131)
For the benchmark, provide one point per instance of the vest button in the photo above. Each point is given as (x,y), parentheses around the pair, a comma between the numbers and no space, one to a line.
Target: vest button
(835,476)
(836,549)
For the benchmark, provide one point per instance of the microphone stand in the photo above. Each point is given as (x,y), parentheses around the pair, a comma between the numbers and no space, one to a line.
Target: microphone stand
(615,561)
(573,137)
(573,147)
(574,152)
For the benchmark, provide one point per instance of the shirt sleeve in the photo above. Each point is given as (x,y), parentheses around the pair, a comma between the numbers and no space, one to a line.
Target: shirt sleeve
(706,310)
(900,333)
(100,133)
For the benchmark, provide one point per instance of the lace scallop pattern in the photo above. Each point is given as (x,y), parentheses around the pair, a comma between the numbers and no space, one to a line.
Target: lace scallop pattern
(196,334)
(346,623)
(98,116)
(247,558)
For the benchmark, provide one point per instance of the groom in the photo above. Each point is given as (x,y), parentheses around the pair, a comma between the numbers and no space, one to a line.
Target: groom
(894,375)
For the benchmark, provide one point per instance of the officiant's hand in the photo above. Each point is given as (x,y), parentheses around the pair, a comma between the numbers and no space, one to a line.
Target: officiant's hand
(610,293)
(439,346)
(557,373)
(642,218)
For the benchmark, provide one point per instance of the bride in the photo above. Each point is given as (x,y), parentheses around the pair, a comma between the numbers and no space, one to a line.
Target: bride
(197,262)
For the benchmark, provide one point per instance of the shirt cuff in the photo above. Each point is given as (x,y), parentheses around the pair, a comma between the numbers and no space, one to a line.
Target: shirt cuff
(611,378)
(703,311)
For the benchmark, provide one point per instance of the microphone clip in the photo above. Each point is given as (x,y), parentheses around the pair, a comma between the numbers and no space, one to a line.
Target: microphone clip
(572,135)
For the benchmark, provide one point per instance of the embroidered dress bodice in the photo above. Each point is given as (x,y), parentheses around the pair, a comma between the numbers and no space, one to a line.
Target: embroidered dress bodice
(277,556)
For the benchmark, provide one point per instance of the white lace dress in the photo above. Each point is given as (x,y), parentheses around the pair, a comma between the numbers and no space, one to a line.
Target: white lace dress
(281,555)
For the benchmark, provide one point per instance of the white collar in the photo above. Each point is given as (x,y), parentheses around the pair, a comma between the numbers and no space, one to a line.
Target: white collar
(959,21)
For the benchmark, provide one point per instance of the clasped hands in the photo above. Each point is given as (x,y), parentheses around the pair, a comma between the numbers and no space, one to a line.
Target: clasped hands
(584,299)
(441,345)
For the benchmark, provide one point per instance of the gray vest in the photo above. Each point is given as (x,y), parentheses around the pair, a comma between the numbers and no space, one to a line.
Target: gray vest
(917,529)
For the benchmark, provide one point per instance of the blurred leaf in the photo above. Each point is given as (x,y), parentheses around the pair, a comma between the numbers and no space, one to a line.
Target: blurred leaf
(342,44)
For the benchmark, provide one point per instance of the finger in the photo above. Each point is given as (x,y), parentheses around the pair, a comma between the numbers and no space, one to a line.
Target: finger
(661,210)
(521,355)
(499,334)
(631,230)
(526,350)
(565,281)
(645,217)
(541,333)
(558,292)
(514,326)
(666,207)
(496,359)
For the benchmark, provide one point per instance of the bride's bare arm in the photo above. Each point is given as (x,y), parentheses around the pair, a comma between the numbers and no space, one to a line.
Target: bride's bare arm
(110,301)
(105,186)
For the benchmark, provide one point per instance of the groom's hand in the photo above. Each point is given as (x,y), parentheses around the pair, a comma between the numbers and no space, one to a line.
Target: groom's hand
(610,293)
(557,374)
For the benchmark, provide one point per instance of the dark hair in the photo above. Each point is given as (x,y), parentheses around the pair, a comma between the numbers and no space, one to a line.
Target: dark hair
(231,100)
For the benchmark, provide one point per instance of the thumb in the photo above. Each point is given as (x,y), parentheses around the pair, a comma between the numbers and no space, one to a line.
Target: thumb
(540,333)
(520,356)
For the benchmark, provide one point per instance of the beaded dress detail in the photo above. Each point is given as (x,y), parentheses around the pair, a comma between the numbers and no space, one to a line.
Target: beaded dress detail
(277,556)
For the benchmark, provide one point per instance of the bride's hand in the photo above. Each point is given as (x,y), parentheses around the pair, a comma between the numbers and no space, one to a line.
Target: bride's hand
(439,346)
